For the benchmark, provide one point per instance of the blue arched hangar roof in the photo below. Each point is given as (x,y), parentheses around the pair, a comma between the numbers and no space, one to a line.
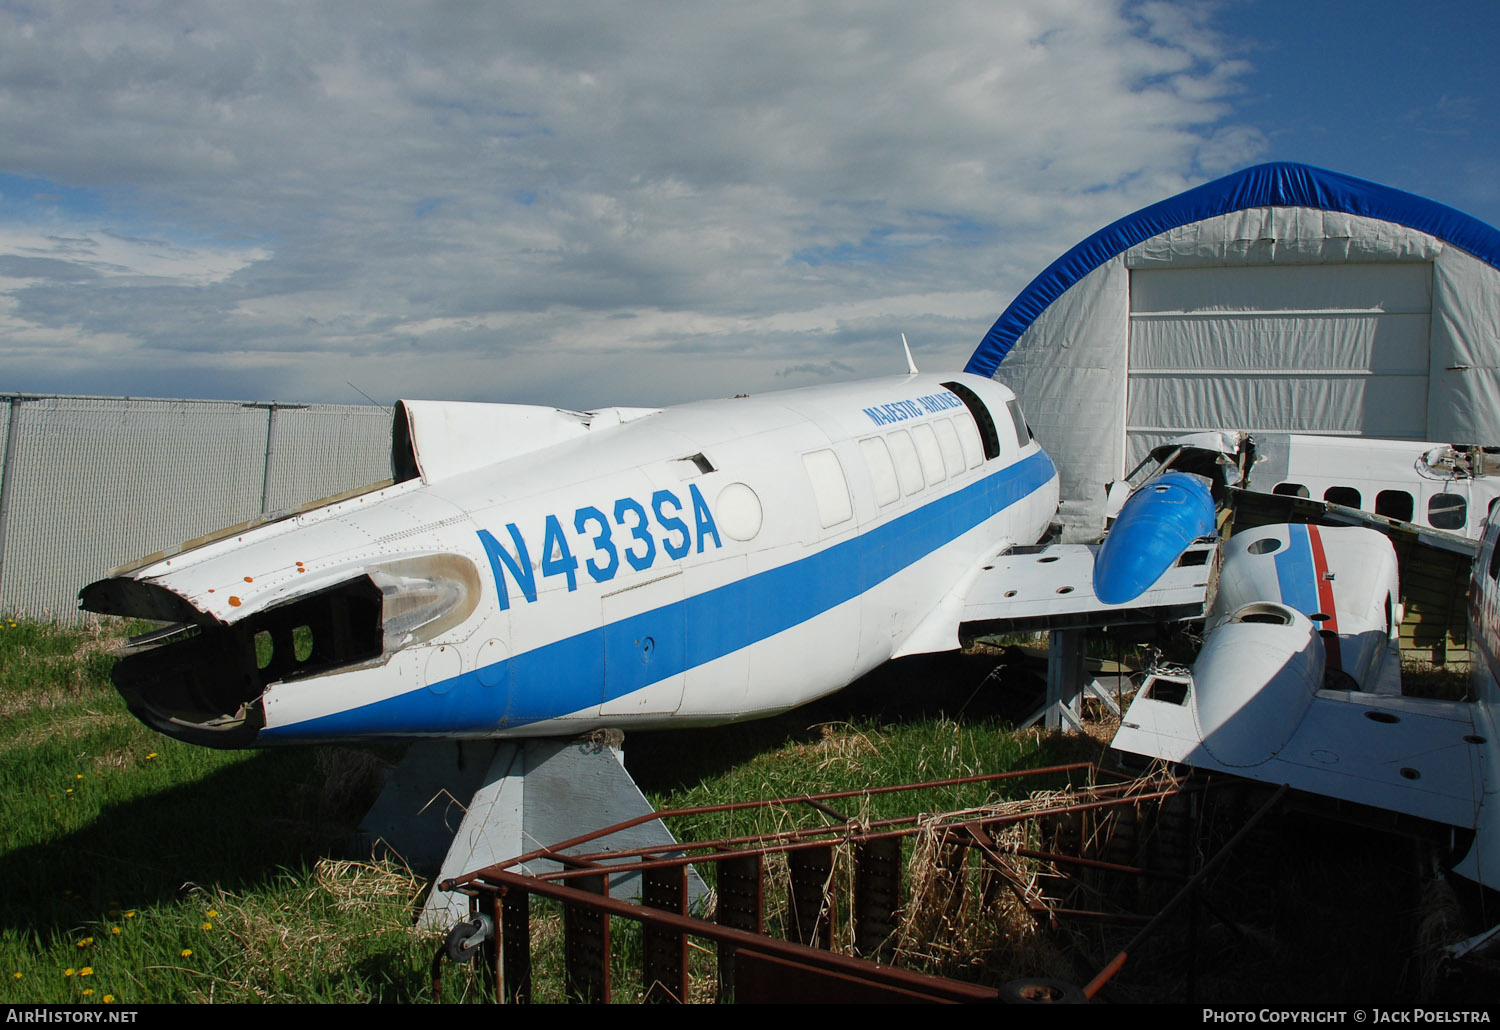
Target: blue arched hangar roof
(1268,185)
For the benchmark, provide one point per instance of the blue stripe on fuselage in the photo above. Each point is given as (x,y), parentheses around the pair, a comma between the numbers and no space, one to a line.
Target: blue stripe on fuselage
(1295,574)
(566,675)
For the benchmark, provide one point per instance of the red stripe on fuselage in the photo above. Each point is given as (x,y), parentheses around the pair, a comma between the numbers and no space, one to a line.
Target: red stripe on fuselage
(1325,600)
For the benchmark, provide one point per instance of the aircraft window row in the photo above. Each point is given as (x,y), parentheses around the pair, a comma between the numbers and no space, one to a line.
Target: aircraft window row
(1444,511)
(830,488)
(903,462)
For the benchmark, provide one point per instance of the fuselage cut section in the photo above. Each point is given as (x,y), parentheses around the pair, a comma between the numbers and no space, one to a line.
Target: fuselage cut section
(715,561)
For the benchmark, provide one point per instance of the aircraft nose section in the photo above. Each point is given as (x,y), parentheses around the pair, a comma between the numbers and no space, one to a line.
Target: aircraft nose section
(204,680)
(1155,526)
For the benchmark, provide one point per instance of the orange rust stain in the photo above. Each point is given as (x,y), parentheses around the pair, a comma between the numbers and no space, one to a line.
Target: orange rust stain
(249,580)
(234,601)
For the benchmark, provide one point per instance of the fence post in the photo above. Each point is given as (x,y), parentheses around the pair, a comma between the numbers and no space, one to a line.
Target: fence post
(8,473)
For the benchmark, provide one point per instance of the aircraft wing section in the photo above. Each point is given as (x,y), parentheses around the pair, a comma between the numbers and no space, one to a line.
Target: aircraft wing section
(1052,587)
(1413,755)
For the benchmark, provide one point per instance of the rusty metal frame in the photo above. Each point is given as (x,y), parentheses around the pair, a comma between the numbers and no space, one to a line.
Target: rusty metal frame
(748,961)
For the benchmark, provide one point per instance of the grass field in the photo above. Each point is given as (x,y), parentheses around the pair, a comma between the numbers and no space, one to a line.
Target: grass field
(140,869)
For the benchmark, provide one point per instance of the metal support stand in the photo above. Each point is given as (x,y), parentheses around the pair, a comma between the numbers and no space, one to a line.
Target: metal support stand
(464,806)
(1066,669)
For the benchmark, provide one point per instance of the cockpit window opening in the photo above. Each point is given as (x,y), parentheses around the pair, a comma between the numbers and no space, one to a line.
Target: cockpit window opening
(1023,431)
(982,419)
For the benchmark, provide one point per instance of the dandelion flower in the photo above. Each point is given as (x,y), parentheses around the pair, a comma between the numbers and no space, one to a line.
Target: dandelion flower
(86,942)
(69,971)
(78,777)
(16,975)
(130,914)
(86,971)
(213,914)
(187,952)
(151,756)
(107,998)
(115,930)
(88,991)
(206,926)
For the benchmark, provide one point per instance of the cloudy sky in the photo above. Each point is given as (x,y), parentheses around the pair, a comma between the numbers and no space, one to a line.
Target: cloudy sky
(590,203)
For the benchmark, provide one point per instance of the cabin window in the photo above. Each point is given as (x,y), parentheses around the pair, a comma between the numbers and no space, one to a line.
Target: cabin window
(1447,511)
(953,452)
(830,488)
(1395,504)
(1290,490)
(968,437)
(908,468)
(1494,555)
(982,419)
(929,454)
(1345,495)
(882,471)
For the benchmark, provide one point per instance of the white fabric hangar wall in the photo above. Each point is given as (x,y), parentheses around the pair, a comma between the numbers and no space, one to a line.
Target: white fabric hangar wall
(1280,320)
(1272,319)
(1282,298)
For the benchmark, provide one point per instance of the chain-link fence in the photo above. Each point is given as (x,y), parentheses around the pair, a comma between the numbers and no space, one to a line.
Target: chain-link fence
(88,483)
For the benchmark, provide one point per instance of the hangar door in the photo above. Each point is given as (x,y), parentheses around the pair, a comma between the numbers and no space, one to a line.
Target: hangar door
(1333,349)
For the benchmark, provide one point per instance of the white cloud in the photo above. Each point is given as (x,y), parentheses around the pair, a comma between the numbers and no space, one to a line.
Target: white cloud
(482,200)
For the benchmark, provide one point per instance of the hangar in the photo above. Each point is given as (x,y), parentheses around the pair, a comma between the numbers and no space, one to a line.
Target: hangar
(1280,299)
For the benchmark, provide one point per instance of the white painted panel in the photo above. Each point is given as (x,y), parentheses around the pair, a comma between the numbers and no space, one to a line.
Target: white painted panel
(953,454)
(830,488)
(908,467)
(930,455)
(882,470)
(1386,286)
(968,435)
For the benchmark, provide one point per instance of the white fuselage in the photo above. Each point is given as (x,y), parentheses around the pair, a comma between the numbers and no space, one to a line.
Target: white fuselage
(715,561)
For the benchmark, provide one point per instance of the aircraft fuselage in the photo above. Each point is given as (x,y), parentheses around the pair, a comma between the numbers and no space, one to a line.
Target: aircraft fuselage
(715,561)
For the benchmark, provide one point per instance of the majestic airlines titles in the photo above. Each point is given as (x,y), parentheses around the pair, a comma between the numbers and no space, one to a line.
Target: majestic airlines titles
(900,411)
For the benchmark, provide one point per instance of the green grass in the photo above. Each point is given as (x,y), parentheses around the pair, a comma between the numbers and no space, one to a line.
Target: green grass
(173,873)
(146,870)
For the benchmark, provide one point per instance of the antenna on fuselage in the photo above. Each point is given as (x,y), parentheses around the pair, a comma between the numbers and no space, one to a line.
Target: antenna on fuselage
(911,366)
